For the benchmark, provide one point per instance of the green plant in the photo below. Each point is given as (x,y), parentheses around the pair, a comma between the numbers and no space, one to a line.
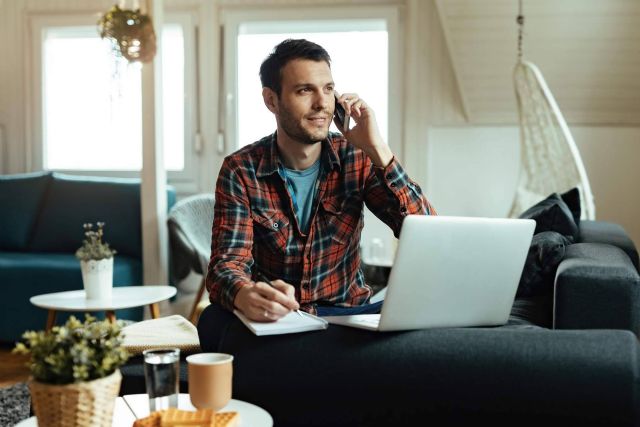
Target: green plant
(131,33)
(74,352)
(92,246)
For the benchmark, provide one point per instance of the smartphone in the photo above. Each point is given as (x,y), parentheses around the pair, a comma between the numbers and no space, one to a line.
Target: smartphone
(341,115)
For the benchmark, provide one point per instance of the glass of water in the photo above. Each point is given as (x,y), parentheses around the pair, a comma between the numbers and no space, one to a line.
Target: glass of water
(161,376)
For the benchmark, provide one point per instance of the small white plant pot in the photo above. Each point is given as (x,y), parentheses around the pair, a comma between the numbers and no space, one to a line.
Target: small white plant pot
(97,277)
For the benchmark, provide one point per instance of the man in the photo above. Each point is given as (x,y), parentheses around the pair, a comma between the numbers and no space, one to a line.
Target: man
(290,206)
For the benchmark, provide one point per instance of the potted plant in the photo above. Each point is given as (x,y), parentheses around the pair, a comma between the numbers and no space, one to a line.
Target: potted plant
(74,372)
(96,263)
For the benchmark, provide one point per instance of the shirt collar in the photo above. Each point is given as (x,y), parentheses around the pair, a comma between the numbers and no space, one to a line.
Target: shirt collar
(270,162)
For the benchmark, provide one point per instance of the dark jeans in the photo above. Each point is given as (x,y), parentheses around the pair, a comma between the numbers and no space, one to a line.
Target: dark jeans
(348,311)
(214,321)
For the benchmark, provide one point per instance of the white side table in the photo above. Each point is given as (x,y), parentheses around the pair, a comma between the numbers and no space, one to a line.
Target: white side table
(250,415)
(122,297)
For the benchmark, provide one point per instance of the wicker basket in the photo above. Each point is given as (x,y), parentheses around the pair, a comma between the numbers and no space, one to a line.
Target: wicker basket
(82,404)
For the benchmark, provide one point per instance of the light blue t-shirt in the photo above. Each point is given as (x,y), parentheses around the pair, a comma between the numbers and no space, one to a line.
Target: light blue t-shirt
(303,185)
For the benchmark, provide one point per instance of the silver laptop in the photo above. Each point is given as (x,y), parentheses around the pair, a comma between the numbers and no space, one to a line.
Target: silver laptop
(451,272)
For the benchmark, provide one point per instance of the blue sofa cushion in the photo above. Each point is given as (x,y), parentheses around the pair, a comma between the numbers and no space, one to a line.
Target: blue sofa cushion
(23,275)
(73,200)
(20,201)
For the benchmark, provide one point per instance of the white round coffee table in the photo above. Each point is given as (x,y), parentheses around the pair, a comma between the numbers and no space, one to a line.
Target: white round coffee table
(133,406)
(122,416)
(122,297)
(250,414)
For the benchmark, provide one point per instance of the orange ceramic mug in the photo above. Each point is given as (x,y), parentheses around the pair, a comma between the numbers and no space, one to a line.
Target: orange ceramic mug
(210,376)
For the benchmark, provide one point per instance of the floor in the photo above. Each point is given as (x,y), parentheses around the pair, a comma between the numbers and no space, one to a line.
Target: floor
(13,367)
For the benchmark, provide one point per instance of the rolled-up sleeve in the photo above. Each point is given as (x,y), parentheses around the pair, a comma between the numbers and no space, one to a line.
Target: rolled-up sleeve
(391,195)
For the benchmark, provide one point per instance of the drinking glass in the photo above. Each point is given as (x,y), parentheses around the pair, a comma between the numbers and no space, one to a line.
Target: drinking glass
(161,376)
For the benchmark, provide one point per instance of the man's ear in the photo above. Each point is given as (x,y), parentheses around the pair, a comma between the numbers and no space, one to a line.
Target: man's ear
(270,99)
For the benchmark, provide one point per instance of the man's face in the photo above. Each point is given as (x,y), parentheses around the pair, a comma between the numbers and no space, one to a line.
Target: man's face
(306,102)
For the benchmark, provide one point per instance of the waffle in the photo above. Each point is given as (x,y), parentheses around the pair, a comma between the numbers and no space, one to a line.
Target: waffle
(225,419)
(173,417)
(153,420)
(176,418)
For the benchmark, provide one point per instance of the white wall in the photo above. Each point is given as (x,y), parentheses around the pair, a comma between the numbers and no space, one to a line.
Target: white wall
(473,170)
(464,170)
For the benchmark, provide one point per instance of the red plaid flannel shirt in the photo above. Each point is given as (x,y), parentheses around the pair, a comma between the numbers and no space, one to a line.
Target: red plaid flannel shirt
(255,227)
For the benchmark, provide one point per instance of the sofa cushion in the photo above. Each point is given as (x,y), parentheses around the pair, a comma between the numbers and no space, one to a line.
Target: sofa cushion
(74,200)
(20,199)
(610,233)
(546,251)
(572,199)
(461,374)
(552,214)
(23,275)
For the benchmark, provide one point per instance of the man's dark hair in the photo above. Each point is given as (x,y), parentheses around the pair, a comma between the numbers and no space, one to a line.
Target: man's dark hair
(288,50)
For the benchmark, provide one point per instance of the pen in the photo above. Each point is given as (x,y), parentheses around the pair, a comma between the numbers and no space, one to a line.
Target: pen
(264,279)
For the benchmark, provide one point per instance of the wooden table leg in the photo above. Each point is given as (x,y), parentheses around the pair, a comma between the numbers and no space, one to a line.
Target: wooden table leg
(51,319)
(192,315)
(111,315)
(155,310)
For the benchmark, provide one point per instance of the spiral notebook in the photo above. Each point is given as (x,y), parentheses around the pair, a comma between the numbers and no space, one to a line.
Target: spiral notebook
(290,324)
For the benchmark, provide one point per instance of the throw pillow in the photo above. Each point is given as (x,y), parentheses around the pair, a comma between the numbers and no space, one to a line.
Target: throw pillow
(572,199)
(545,253)
(552,214)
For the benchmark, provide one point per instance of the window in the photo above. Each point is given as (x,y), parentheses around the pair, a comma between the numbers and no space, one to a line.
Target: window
(254,44)
(90,116)
(360,45)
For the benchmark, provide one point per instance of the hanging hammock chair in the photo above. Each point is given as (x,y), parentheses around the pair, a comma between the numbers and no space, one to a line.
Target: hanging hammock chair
(550,160)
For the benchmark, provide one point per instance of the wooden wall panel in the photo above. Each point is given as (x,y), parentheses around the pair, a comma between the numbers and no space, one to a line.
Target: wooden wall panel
(588,51)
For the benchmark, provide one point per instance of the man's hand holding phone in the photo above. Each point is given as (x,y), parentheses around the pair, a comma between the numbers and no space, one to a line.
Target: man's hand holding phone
(365,134)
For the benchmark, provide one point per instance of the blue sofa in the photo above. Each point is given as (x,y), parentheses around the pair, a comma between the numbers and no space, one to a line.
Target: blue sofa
(41,217)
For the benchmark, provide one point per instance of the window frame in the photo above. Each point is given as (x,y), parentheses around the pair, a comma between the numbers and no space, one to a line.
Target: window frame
(184,180)
(232,19)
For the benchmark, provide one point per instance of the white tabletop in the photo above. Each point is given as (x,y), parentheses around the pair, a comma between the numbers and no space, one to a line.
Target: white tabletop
(250,415)
(122,297)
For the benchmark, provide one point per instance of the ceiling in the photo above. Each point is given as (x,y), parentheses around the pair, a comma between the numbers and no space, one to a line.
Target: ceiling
(588,52)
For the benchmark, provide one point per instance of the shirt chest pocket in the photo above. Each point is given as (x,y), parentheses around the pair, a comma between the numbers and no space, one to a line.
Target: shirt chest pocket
(271,230)
(342,218)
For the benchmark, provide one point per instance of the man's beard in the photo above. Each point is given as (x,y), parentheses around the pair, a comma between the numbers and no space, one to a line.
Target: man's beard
(295,131)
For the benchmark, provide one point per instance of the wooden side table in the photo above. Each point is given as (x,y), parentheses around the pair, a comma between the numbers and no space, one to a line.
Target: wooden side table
(122,297)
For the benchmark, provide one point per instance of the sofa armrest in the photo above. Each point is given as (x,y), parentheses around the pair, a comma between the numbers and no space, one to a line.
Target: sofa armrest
(608,232)
(596,287)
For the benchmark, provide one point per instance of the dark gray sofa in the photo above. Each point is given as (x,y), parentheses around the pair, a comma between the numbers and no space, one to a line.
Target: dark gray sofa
(586,371)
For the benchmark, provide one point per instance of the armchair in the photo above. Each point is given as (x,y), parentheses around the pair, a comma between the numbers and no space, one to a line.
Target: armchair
(189,223)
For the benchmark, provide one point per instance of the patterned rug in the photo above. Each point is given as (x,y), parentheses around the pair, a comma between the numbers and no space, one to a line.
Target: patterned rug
(15,403)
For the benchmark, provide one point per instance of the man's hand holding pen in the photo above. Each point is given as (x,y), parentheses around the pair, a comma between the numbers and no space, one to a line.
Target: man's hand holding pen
(266,301)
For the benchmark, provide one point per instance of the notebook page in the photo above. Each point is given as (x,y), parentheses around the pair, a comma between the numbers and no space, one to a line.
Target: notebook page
(290,323)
